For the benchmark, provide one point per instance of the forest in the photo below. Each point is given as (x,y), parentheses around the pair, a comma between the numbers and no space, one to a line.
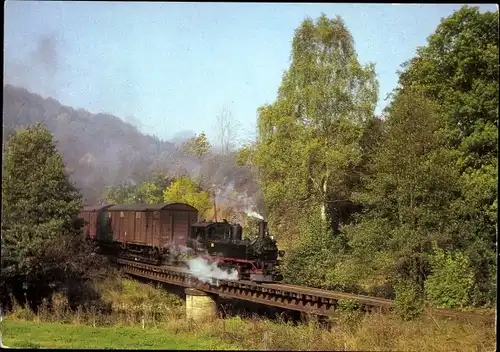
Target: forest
(401,206)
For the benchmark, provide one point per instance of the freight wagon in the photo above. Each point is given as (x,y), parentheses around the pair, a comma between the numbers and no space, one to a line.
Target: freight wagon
(145,230)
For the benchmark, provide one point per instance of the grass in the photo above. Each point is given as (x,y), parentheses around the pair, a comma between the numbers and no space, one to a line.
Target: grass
(57,335)
(143,316)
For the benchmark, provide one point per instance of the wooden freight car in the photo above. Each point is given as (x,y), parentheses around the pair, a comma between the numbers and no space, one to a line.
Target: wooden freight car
(158,225)
(146,229)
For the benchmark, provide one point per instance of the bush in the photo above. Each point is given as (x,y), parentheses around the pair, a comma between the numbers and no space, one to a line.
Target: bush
(349,314)
(311,260)
(409,301)
(451,281)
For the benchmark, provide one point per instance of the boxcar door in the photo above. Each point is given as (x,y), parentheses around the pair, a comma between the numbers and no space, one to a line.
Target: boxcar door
(138,230)
(155,229)
(130,220)
(180,227)
(124,226)
(117,226)
(166,228)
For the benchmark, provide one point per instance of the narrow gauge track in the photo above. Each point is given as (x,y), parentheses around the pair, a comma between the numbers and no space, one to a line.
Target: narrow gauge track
(305,299)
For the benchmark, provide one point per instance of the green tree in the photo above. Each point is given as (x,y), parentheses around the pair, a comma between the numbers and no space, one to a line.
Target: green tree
(39,203)
(458,69)
(161,179)
(197,146)
(308,139)
(187,191)
(244,155)
(43,248)
(150,193)
(408,197)
(122,194)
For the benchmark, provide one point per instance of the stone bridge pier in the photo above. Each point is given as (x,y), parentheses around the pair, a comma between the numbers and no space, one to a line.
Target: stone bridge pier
(200,305)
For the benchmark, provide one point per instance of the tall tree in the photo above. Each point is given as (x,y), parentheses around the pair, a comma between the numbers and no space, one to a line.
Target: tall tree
(187,191)
(226,128)
(197,146)
(408,196)
(309,138)
(161,179)
(150,193)
(458,68)
(42,244)
(38,200)
(124,193)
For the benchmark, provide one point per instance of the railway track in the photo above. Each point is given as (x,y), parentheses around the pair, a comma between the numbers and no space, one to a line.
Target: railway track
(305,299)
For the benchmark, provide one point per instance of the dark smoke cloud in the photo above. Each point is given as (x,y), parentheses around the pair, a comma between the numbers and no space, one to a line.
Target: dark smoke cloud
(46,54)
(38,70)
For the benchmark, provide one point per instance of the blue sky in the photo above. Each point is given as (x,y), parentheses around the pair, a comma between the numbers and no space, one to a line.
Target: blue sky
(170,67)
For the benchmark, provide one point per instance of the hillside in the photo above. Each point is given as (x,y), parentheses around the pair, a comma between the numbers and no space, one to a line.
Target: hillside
(102,150)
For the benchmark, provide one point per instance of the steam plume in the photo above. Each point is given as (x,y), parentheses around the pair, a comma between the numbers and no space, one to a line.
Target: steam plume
(202,269)
(206,271)
(255,215)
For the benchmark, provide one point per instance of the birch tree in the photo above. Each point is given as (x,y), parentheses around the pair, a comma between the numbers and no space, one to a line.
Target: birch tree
(309,138)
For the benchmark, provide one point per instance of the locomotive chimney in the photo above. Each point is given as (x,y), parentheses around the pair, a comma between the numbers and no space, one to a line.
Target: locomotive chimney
(262,228)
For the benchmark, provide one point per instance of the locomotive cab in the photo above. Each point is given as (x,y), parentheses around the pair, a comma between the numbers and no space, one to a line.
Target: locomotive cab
(221,239)
(203,232)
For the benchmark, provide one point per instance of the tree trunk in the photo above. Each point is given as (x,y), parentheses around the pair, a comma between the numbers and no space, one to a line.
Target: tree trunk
(324,204)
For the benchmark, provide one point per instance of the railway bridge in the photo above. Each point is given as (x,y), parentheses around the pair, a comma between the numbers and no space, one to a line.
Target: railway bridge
(304,299)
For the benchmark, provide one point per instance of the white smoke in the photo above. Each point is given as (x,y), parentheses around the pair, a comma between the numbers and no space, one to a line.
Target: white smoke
(180,249)
(205,271)
(255,215)
(201,268)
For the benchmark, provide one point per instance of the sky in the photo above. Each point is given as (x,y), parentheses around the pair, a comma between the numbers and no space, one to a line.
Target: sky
(170,68)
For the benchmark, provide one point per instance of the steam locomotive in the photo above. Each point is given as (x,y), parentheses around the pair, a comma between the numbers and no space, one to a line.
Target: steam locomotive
(255,259)
(170,234)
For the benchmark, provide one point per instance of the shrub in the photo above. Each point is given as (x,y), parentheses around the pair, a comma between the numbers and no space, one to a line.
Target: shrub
(451,281)
(409,302)
(311,260)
